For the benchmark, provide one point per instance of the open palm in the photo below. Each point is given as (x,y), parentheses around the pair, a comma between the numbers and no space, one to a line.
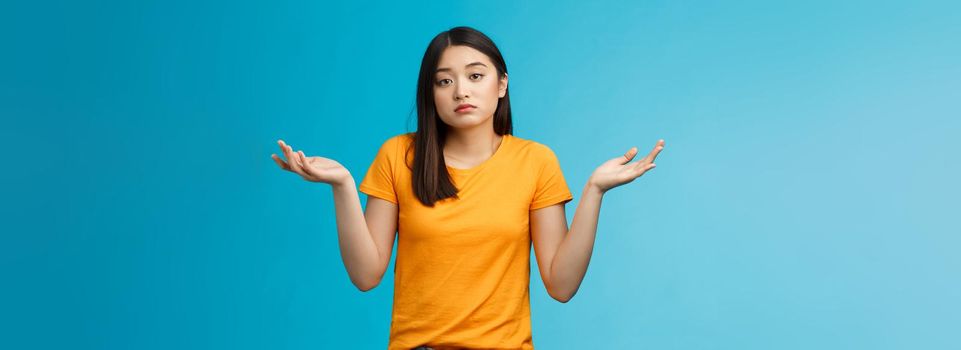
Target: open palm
(315,169)
(618,171)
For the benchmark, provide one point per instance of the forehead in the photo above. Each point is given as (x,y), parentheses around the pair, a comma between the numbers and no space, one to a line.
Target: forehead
(457,57)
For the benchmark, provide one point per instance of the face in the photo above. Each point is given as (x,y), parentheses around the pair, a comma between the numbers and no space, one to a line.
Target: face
(467,76)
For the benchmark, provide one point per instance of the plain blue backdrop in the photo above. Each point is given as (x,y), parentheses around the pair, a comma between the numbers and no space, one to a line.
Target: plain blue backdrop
(807,197)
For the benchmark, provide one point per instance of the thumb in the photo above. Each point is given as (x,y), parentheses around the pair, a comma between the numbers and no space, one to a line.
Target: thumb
(627,156)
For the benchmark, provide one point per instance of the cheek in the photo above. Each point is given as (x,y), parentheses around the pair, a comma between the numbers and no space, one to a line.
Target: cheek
(492,93)
(438,100)
(442,105)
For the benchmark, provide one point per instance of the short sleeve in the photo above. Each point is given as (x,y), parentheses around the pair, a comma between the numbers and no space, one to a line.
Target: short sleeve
(551,187)
(379,180)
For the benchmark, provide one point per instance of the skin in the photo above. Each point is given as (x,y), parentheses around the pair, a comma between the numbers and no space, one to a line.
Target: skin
(366,238)
(466,75)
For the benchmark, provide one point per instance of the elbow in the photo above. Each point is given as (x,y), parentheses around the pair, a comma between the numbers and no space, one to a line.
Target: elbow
(562,297)
(365,279)
(365,285)
(560,292)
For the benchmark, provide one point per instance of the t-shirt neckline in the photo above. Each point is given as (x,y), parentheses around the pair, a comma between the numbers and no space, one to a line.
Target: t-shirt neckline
(504,141)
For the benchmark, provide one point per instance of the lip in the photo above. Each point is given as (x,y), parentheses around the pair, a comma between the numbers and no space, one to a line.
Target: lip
(465,108)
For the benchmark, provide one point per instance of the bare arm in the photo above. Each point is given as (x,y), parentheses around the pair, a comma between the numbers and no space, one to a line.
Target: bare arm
(366,239)
(563,255)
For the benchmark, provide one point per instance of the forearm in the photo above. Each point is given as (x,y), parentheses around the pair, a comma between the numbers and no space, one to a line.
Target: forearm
(574,253)
(357,248)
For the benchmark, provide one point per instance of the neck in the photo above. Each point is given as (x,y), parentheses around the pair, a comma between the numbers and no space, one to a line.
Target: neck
(479,142)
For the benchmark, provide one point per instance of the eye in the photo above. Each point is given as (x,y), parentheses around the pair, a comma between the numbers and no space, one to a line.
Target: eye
(441,82)
(478,74)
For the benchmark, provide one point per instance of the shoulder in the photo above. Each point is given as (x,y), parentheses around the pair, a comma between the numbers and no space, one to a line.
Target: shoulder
(394,143)
(533,148)
(399,140)
(398,147)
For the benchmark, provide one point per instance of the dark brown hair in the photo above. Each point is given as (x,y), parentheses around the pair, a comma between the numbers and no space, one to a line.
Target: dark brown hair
(431,181)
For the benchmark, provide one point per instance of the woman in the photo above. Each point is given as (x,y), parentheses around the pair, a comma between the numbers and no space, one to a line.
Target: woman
(466,199)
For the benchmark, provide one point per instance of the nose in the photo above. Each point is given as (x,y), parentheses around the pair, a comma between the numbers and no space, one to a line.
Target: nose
(460,92)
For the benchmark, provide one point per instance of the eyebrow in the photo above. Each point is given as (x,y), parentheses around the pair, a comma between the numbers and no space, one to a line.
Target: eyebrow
(445,69)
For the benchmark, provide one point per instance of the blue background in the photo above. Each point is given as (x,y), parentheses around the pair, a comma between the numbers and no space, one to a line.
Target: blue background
(807,197)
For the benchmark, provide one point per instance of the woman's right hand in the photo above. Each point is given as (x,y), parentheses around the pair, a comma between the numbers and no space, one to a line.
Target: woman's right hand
(314,169)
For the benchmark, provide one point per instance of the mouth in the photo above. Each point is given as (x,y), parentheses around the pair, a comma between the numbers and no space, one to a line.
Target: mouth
(465,108)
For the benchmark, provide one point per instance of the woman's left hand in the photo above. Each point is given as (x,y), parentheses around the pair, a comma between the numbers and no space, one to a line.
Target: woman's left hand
(618,171)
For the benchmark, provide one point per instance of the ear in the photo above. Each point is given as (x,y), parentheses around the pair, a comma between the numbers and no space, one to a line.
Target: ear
(502,86)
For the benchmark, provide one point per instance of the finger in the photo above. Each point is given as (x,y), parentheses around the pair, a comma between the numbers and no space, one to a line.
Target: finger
(291,157)
(288,153)
(279,162)
(640,168)
(307,172)
(283,148)
(294,162)
(306,163)
(649,167)
(657,150)
(302,170)
(629,155)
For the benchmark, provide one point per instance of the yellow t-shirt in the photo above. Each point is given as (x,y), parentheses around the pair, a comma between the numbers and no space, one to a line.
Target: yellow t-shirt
(462,273)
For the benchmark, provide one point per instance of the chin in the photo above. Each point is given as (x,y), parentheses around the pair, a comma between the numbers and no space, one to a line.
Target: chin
(463,121)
